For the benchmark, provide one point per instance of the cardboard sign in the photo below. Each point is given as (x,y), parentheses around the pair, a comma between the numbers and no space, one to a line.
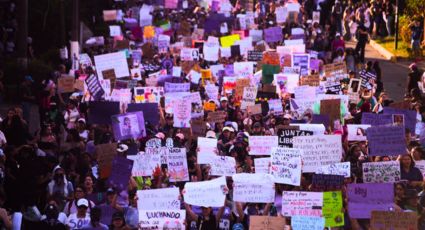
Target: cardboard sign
(332,108)
(343,169)
(266,223)
(333,69)
(199,127)
(262,165)
(311,80)
(105,153)
(254,109)
(249,96)
(222,166)
(66,84)
(218,116)
(319,150)
(158,199)
(302,203)
(207,148)
(109,15)
(146,162)
(381,172)
(286,136)
(177,164)
(255,188)
(205,193)
(271,58)
(365,198)
(332,209)
(393,220)
(286,165)
(386,140)
(262,145)
(240,86)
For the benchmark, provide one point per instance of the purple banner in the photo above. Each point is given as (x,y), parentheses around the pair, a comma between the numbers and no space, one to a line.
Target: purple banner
(121,173)
(365,198)
(409,116)
(386,140)
(374,119)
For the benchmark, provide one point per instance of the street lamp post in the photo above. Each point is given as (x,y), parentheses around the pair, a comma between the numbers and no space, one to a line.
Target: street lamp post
(396,26)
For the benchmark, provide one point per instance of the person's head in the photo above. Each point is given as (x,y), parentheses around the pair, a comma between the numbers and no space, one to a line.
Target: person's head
(411,197)
(399,190)
(110,194)
(127,121)
(58,174)
(413,67)
(51,212)
(224,102)
(79,192)
(132,197)
(256,128)
(406,161)
(82,206)
(95,215)
(206,211)
(88,182)
(227,131)
(10,113)
(417,153)
(118,220)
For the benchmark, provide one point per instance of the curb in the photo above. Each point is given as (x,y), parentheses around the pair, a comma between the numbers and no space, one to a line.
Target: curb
(382,51)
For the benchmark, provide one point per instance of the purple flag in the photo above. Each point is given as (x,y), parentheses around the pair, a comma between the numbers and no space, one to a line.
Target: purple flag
(121,173)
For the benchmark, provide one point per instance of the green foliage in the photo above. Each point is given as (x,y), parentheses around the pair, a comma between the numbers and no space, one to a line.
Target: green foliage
(404,30)
(415,8)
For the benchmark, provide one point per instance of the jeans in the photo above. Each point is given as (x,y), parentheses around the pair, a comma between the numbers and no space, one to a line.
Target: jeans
(390,24)
(360,50)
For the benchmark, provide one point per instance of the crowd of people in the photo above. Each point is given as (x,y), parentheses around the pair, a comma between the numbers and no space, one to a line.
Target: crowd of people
(51,179)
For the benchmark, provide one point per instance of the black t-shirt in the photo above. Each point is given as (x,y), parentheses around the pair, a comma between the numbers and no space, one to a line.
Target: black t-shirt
(210,224)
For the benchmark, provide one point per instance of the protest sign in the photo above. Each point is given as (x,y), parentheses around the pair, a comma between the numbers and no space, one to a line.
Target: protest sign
(116,61)
(199,127)
(228,41)
(128,125)
(302,203)
(100,112)
(189,54)
(210,193)
(306,92)
(218,116)
(255,55)
(182,112)
(262,145)
(332,108)
(382,220)
(240,87)
(262,165)
(162,219)
(109,15)
(368,79)
(286,165)
(254,109)
(243,69)
(332,209)
(342,169)
(307,223)
(311,80)
(249,96)
(266,223)
(197,110)
(145,162)
(302,61)
(333,69)
(105,154)
(275,106)
(120,173)
(255,188)
(281,14)
(381,172)
(94,87)
(222,166)
(317,129)
(319,150)
(273,34)
(374,119)
(409,116)
(66,84)
(114,31)
(357,132)
(207,149)
(322,182)
(80,85)
(177,164)
(365,198)
(176,87)
(386,140)
(158,199)
(148,94)
(270,58)
(268,72)
(150,111)
(286,136)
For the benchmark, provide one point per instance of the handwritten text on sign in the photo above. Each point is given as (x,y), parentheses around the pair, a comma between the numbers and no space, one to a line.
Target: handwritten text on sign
(302,203)
(286,165)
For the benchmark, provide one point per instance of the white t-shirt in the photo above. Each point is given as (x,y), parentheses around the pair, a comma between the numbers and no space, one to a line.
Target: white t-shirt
(73,222)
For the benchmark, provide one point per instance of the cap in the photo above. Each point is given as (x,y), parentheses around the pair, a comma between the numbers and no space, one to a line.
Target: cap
(29,78)
(337,34)
(82,120)
(82,202)
(223,99)
(210,134)
(413,66)
(257,125)
(110,191)
(122,148)
(160,135)
(228,129)
(117,215)
(180,135)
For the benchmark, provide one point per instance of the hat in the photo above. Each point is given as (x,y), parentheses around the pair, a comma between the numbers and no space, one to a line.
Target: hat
(29,78)
(228,129)
(413,66)
(337,34)
(82,120)
(257,125)
(237,226)
(210,134)
(122,148)
(287,116)
(82,202)
(110,191)
(223,99)
(118,215)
